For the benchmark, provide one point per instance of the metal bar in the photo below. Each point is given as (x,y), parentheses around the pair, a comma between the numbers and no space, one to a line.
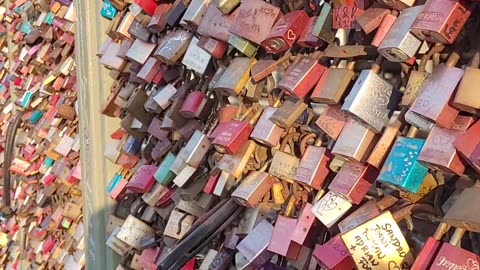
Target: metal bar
(93,87)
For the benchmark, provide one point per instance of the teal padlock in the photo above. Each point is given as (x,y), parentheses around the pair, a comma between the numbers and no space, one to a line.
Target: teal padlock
(35,117)
(108,11)
(163,175)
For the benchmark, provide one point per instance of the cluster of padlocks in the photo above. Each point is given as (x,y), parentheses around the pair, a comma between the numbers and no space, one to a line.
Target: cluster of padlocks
(294,134)
(41,224)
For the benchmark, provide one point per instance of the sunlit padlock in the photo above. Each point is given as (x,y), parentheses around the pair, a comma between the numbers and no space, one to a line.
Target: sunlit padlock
(384,144)
(398,4)
(429,184)
(355,142)
(384,28)
(255,20)
(308,39)
(243,45)
(369,252)
(369,98)
(134,231)
(313,167)
(235,164)
(236,76)
(265,131)
(353,181)
(331,208)
(333,84)
(232,135)
(285,32)
(443,24)
(300,79)
(399,45)
(254,187)
(331,121)
(401,168)
(371,18)
(438,152)
(284,164)
(288,113)
(467,143)
(307,227)
(434,101)
(142,181)
(322,25)
(465,97)
(178,224)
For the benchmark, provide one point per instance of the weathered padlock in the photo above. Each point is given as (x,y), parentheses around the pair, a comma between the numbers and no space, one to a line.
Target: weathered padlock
(465,97)
(300,79)
(331,208)
(194,14)
(243,45)
(255,20)
(215,24)
(401,168)
(236,76)
(460,216)
(353,181)
(369,98)
(254,187)
(322,25)
(355,142)
(333,84)
(288,113)
(398,4)
(438,152)
(399,45)
(331,121)
(313,167)
(265,131)
(174,46)
(234,164)
(441,25)
(384,144)
(285,32)
(369,252)
(345,14)
(467,143)
(284,164)
(434,101)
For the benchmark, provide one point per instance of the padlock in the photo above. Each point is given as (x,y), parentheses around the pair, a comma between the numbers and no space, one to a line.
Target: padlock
(178,224)
(242,45)
(158,22)
(399,45)
(134,231)
(467,143)
(288,113)
(333,255)
(196,101)
(280,242)
(355,142)
(366,251)
(215,48)
(401,168)
(322,25)
(438,152)
(465,96)
(265,67)
(330,208)
(384,27)
(142,181)
(331,121)
(366,212)
(254,246)
(175,13)
(429,183)
(369,98)
(215,24)
(353,181)
(371,19)
(194,14)
(301,77)
(235,77)
(440,25)
(308,39)
(345,13)
(196,58)
(140,51)
(265,131)
(398,4)
(384,144)
(284,165)
(285,32)
(174,47)
(252,216)
(254,187)
(235,164)
(434,105)
(307,228)
(255,19)
(313,167)
(460,216)
(332,86)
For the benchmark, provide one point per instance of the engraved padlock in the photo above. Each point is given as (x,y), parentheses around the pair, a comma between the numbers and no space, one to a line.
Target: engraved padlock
(333,255)
(288,113)
(255,20)
(371,19)
(301,77)
(330,208)
(235,77)
(401,168)
(434,102)
(285,32)
(438,152)
(313,167)
(174,46)
(254,187)
(333,84)
(322,25)
(353,181)
(215,24)
(265,131)
(331,121)
(384,28)
(196,58)
(355,142)
(369,98)
(284,164)
(307,227)
(399,45)
(467,144)
(441,25)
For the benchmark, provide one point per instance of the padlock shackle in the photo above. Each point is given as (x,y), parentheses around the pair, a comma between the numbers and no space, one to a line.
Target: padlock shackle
(453,59)
(441,230)
(475,61)
(457,236)
(436,49)
(377,64)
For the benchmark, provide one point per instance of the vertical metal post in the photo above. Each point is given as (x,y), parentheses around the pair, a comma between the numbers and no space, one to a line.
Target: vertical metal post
(93,87)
